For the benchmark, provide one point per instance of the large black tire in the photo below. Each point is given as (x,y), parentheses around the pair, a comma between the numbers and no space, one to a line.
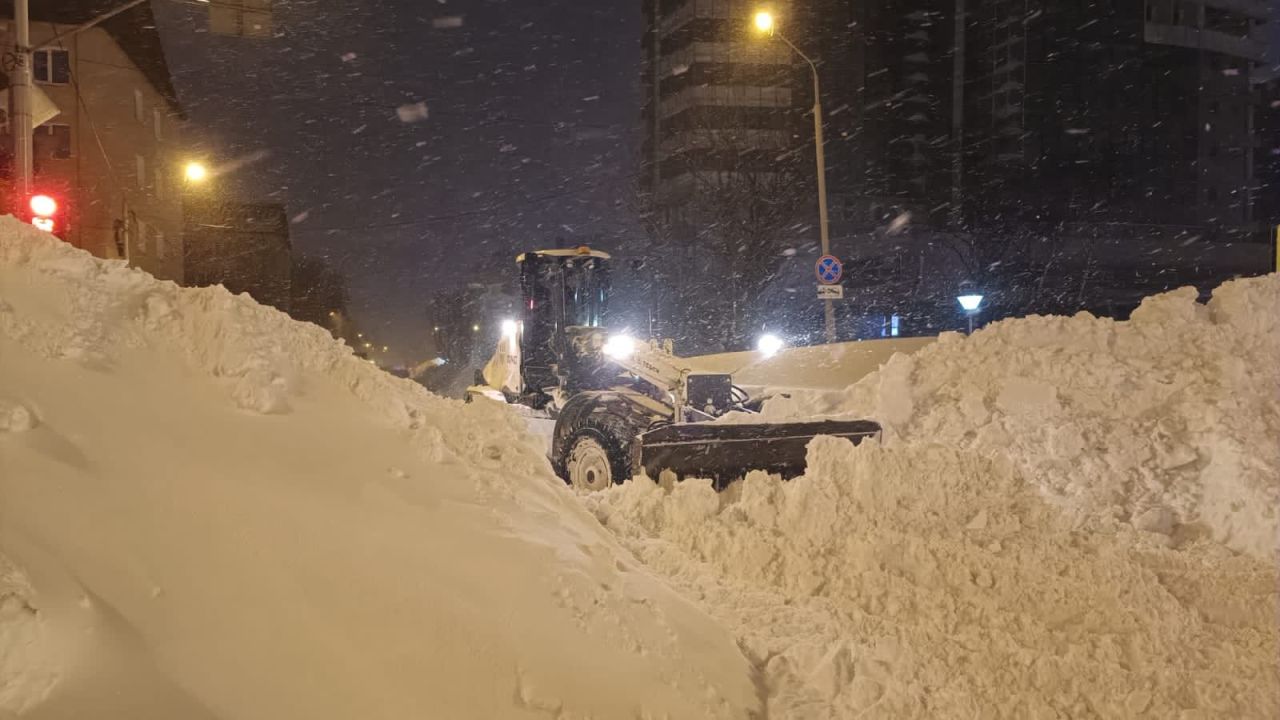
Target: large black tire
(592,424)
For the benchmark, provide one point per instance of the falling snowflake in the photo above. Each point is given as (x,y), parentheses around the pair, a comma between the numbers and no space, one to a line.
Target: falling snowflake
(898,223)
(448,21)
(412,112)
(348,57)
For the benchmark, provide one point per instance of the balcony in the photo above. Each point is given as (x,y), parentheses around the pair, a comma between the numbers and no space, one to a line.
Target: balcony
(1197,39)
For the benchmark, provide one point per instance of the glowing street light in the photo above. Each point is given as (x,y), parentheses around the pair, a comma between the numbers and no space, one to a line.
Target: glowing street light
(970,301)
(195,172)
(764,21)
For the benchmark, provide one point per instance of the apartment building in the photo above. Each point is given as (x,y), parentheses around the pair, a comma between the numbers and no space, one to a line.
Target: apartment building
(112,152)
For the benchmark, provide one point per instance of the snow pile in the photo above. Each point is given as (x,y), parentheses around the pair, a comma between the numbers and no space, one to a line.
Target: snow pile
(28,667)
(1168,422)
(930,582)
(815,367)
(208,510)
(1069,517)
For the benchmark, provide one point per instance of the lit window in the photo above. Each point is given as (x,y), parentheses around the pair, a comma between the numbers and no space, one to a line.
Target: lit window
(157,121)
(139,111)
(51,66)
(140,164)
(893,326)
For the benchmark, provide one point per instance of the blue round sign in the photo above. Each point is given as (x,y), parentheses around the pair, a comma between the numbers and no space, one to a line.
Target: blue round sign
(829,269)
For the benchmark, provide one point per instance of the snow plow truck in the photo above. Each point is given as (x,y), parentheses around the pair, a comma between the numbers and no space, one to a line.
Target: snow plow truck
(623,406)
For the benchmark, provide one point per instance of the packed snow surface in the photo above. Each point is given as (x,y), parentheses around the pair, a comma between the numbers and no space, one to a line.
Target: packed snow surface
(1168,422)
(208,510)
(833,366)
(1068,518)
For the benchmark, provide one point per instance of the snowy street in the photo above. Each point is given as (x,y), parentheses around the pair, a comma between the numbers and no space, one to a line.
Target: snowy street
(209,510)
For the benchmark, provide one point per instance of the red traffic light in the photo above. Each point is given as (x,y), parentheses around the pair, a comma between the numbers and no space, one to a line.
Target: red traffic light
(43,206)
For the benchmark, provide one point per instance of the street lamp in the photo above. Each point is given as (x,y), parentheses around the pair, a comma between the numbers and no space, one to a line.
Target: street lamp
(765,23)
(195,172)
(970,301)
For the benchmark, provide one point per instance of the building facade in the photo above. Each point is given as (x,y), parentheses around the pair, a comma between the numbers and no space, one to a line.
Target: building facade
(112,154)
(1127,112)
(718,99)
(1266,185)
(241,246)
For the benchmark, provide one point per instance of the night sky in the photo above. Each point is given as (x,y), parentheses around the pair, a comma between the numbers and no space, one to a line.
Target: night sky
(531,134)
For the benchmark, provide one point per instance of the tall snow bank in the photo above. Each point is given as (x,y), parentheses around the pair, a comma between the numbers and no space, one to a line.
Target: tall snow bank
(1069,518)
(1168,422)
(934,582)
(211,511)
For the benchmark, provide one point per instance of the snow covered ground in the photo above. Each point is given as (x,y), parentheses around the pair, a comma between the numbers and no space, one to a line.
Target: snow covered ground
(1070,517)
(815,367)
(210,511)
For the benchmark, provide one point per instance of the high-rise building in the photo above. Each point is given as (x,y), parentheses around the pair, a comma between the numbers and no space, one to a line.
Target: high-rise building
(725,141)
(710,90)
(1008,126)
(1119,112)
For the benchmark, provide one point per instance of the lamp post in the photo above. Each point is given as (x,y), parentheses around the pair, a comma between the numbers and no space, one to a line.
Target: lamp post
(970,301)
(765,23)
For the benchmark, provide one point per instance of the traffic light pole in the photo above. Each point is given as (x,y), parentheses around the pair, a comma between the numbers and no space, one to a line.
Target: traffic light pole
(20,96)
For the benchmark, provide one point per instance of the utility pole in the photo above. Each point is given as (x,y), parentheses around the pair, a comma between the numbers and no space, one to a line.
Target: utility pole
(20,95)
(655,68)
(957,119)
(824,231)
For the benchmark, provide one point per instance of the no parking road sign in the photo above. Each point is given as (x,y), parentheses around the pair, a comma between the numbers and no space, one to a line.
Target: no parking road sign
(829,269)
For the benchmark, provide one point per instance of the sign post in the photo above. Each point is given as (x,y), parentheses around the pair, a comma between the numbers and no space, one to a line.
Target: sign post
(829,270)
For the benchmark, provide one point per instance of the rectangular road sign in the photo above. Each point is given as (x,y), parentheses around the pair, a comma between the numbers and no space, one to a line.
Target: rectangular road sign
(830,292)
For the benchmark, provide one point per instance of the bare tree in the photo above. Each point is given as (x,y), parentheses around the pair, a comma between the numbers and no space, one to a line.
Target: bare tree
(721,237)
